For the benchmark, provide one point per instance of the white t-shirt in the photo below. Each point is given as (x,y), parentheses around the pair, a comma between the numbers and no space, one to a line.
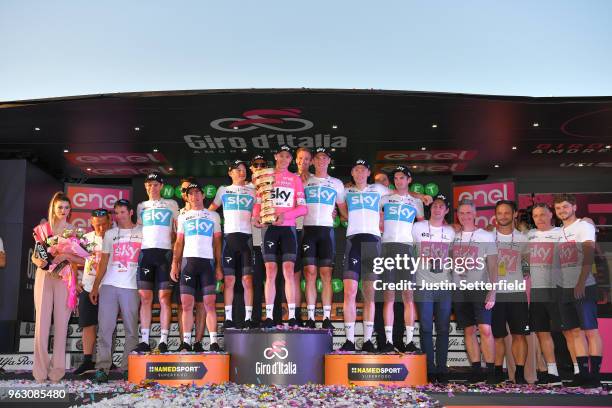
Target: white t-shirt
(89,270)
(198,227)
(124,246)
(544,267)
(510,249)
(571,254)
(400,213)
(157,218)
(432,242)
(478,244)
(1,245)
(237,202)
(364,209)
(322,195)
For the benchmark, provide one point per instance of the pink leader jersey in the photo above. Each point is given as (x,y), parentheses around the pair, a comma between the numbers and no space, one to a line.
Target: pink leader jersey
(288,197)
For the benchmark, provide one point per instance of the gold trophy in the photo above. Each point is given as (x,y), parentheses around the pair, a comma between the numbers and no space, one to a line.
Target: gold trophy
(264,183)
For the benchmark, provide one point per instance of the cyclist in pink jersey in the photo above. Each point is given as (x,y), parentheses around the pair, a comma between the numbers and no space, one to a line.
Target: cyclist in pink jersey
(288,203)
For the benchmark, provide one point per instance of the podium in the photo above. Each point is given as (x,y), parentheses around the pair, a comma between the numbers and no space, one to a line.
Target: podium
(179,369)
(376,369)
(273,356)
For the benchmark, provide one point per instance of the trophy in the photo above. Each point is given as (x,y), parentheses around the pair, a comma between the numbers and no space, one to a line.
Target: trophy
(264,183)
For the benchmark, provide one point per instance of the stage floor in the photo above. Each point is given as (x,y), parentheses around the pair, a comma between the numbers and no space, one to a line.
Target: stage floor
(118,393)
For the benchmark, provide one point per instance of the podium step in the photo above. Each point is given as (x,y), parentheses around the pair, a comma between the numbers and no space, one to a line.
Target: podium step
(375,369)
(179,368)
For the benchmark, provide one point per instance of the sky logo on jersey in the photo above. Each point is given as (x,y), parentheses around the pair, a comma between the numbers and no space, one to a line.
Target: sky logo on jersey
(320,195)
(156,216)
(238,202)
(282,196)
(363,201)
(398,212)
(199,226)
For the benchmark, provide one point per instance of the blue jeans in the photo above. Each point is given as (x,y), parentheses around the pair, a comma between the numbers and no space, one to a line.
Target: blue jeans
(429,304)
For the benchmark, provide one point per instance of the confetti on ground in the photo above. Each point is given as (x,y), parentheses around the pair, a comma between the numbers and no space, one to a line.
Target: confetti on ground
(123,394)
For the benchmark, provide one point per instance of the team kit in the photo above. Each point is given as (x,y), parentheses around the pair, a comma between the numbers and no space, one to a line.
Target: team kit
(393,255)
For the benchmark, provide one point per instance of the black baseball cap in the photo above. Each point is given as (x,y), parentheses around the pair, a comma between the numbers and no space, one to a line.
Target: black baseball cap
(401,169)
(123,202)
(361,162)
(192,185)
(235,164)
(285,148)
(323,150)
(443,198)
(154,177)
(257,157)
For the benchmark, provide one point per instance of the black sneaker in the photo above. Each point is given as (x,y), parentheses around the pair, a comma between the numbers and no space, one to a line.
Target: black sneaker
(520,380)
(228,324)
(327,324)
(368,347)
(292,322)
(442,378)
(552,379)
(348,346)
(143,347)
(162,347)
(100,377)
(248,324)
(310,324)
(215,347)
(579,381)
(411,348)
(475,377)
(593,382)
(386,348)
(254,324)
(184,347)
(197,347)
(491,378)
(268,323)
(85,367)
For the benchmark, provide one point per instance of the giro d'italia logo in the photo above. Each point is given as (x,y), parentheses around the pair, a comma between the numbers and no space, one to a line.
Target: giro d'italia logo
(278,349)
(282,120)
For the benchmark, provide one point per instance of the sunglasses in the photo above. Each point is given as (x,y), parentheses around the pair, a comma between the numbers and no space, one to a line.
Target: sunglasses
(100,212)
(259,165)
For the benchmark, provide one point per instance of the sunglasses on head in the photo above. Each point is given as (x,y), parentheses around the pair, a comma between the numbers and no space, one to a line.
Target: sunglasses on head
(100,212)
(122,201)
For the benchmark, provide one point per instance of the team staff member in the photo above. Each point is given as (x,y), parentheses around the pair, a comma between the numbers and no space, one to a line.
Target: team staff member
(289,203)
(578,297)
(51,297)
(88,312)
(433,239)
(364,223)
(511,306)
(157,217)
(199,241)
(473,308)
(303,160)
(323,193)
(115,288)
(400,212)
(200,312)
(544,317)
(237,201)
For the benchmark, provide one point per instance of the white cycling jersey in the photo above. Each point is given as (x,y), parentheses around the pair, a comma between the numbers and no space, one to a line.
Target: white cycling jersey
(322,195)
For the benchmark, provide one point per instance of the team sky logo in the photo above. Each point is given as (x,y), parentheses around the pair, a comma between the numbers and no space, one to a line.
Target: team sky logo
(156,216)
(199,226)
(282,197)
(363,201)
(320,195)
(238,202)
(399,212)
(281,120)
